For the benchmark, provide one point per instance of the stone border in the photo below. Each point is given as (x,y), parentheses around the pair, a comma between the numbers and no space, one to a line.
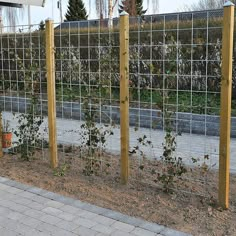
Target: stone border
(144,117)
(152,227)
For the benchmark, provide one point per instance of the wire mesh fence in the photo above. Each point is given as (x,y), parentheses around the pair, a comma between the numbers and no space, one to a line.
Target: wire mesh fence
(87,79)
(174,97)
(175,81)
(23,79)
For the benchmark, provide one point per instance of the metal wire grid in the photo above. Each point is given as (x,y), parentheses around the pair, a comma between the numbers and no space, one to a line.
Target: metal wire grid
(23,76)
(175,66)
(87,72)
(87,79)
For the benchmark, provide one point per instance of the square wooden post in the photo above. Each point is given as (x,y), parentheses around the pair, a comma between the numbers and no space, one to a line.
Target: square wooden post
(124,95)
(51,92)
(225,104)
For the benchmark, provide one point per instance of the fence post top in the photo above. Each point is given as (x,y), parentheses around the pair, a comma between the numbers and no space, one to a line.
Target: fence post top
(228,4)
(49,19)
(124,13)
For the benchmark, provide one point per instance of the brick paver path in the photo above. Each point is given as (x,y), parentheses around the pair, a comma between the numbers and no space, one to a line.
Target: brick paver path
(26,210)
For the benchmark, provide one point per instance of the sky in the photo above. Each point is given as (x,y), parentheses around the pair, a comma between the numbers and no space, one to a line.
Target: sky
(51,11)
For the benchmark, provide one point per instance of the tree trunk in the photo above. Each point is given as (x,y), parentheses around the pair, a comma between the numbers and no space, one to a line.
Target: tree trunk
(110,13)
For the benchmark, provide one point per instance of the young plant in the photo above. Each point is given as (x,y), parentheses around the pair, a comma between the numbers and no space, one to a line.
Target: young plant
(172,166)
(142,142)
(28,131)
(29,123)
(61,171)
(203,164)
(94,139)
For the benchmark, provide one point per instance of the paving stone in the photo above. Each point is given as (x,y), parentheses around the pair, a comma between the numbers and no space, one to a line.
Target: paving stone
(84,222)
(121,233)
(54,204)
(152,227)
(3,194)
(62,232)
(44,227)
(37,233)
(58,197)
(142,232)
(26,194)
(50,219)
(17,226)
(66,216)
(36,206)
(15,216)
(102,234)
(69,226)
(23,201)
(23,229)
(7,232)
(8,196)
(123,226)
(13,190)
(8,223)
(103,229)
(86,214)
(103,220)
(10,183)
(8,204)
(52,211)
(18,207)
(34,213)
(4,211)
(83,231)
(39,199)
(29,221)
(70,209)
(49,195)
(3,221)
(5,203)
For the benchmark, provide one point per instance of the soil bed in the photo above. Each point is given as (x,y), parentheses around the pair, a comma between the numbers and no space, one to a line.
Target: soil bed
(142,198)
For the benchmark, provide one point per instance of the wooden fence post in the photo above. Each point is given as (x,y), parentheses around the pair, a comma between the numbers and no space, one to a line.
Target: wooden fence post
(50,63)
(225,104)
(124,95)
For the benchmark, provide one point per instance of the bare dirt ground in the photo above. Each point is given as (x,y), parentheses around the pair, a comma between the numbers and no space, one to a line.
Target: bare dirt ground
(142,197)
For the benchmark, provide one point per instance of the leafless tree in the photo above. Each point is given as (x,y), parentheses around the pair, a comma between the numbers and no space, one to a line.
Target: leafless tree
(100,8)
(205,5)
(105,8)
